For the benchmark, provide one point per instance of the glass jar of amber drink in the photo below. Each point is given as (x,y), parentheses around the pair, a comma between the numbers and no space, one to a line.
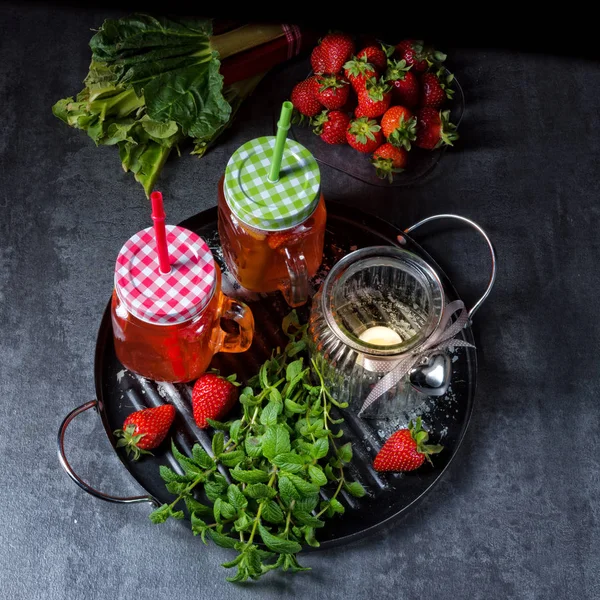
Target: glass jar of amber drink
(272,232)
(166,325)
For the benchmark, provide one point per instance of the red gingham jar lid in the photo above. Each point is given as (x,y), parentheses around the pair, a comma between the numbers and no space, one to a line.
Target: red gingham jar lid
(165,298)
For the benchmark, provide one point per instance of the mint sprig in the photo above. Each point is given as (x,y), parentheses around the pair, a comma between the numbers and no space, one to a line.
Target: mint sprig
(280,454)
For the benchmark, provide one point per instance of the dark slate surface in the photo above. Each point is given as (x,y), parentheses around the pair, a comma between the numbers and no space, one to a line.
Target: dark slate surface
(516,515)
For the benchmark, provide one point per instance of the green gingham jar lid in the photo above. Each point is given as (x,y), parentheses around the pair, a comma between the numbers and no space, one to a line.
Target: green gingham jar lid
(272,206)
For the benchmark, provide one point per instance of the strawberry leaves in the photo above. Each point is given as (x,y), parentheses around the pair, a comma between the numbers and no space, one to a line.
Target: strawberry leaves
(284,463)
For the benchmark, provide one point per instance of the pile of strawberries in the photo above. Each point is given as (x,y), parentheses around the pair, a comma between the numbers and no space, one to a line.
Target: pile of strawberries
(382,100)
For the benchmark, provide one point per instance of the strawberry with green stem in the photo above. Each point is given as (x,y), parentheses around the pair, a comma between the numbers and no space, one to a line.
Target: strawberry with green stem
(374,55)
(364,135)
(304,97)
(436,88)
(389,160)
(336,49)
(406,449)
(405,85)
(213,397)
(399,126)
(419,56)
(145,429)
(375,99)
(434,129)
(331,126)
(332,92)
(357,71)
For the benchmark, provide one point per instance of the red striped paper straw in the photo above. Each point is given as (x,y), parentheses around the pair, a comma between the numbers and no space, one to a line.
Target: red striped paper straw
(158,216)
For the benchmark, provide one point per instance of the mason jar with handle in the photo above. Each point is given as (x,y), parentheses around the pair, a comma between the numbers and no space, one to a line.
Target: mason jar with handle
(167,304)
(272,232)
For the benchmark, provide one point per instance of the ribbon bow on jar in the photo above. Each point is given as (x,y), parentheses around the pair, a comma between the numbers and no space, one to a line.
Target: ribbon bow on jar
(441,339)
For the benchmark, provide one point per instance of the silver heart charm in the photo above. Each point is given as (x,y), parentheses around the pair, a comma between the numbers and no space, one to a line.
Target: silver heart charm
(433,375)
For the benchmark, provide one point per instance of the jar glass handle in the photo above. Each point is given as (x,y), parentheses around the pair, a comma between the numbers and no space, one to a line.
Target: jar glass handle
(485,237)
(240,313)
(295,291)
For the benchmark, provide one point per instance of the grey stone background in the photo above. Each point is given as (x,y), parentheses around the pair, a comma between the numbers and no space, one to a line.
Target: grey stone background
(516,515)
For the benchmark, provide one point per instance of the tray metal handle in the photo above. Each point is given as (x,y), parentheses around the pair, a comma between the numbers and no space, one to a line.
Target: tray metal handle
(485,237)
(67,467)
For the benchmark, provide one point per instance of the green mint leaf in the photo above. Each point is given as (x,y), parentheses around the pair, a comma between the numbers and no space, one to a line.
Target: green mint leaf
(230,459)
(320,448)
(275,396)
(176,488)
(294,407)
(290,321)
(201,457)
(178,514)
(287,490)
(197,508)
(220,539)
(316,475)
(271,512)
(307,504)
(198,525)
(169,476)
(213,489)
(309,537)
(355,489)
(295,348)
(218,443)
(253,446)
(337,506)
(236,561)
(329,473)
(345,452)
(243,523)
(253,562)
(227,511)
(250,476)
(260,490)
(263,377)
(291,563)
(275,440)
(290,462)
(217,509)
(234,431)
(218,425)
(236,498)
(161,514)
(269,413)
(293,370)
(278,544)
(304,487)
(305,518)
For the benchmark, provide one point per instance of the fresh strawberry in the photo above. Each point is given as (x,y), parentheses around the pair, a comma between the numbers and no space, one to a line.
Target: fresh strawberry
(358,113)
(145,429)
(405,85)
(304,97)
(281,239)
(434,129)
(399,126)
(374,55)
(336,49)
(389,159)
(364,135)
(357,71)
(213,397)
(435,88)
(331,126)
(405,450)
(375,98)
(317,60)
(419,56)
(333,91)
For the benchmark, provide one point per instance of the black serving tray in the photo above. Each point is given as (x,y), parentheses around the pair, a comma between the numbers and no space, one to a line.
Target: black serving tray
(120,392)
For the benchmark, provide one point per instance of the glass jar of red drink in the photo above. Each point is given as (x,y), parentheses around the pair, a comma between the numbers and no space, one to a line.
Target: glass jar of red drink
(272,233)
(167,325)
